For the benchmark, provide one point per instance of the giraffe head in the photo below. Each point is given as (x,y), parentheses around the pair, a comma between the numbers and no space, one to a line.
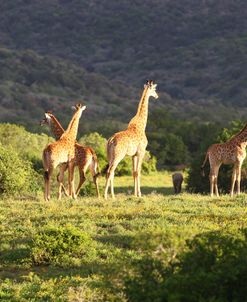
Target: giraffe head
(79,107)
(47,119)
(151,88)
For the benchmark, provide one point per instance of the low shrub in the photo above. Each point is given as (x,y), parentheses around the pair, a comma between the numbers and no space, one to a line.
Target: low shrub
(28,145)
(211,267)
(53,244)
(88,189)
(16,175)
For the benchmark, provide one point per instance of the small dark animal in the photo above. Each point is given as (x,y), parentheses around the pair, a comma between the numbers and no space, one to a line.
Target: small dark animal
(177,179)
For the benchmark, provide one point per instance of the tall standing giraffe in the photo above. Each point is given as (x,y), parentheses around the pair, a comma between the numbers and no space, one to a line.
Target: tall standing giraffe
(85,157)
(62,151)
(231,152)
(132,141)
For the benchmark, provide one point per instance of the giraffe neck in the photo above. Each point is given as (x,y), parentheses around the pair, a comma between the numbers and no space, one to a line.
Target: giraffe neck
(71,131)
(56,128)
(241,137)
(140,119)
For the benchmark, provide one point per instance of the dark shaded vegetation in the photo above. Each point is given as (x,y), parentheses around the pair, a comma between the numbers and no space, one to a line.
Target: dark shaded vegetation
(211,267)
(17,175)
(98,51)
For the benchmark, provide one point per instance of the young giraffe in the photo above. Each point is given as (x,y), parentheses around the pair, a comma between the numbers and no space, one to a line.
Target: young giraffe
(62,151)
(132,141)
(231,152)
(85,157)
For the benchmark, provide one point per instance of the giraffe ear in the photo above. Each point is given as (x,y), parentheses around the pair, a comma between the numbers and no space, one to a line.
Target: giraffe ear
(154,86)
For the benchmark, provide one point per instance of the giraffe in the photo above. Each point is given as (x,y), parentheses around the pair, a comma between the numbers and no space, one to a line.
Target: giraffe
(231,152)
(132,141)
(62,151)
(85,157)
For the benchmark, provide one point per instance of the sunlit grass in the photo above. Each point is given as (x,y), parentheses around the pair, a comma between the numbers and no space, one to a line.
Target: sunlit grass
(116,226)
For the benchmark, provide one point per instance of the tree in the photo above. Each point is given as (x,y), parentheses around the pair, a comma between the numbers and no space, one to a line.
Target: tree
(16,174)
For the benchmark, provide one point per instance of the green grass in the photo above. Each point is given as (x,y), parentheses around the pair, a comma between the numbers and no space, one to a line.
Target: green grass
(124,233)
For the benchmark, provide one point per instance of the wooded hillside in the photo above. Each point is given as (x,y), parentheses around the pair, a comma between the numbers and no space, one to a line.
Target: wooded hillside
(103,51)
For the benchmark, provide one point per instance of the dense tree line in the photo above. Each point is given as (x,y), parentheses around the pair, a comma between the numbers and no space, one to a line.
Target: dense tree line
(173,145)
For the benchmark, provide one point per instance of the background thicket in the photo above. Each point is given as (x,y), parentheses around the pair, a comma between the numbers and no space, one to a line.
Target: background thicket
(103,51)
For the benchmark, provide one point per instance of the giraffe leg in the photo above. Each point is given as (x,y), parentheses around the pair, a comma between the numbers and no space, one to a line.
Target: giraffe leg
(216,173)
(47,177)
(238,176)
(66,192)
(211,179)
(112,185)
(110,178)
(82,173)
(134,169)
(60,179)
(95,174)
(73,181)
(107,183)
(71,167)
(139,166)
(234,174)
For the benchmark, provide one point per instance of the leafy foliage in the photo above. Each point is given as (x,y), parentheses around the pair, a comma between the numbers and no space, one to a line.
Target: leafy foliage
(55,244)
(28,145)
(214,269)
(184,247)
(211,268)
(16,175)
(66,50)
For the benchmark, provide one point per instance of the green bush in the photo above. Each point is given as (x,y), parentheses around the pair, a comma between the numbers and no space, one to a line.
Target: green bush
(16,174)
(98,143)
(56,244)
(214,269)
(211,267)
(88,189)
(28,145)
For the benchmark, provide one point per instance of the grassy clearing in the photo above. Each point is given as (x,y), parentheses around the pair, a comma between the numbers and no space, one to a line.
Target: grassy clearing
(104,248)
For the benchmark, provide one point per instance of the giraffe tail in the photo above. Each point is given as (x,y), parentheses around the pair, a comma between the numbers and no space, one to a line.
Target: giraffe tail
(96,163)
(105,169)
(109,145)
(202,166)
